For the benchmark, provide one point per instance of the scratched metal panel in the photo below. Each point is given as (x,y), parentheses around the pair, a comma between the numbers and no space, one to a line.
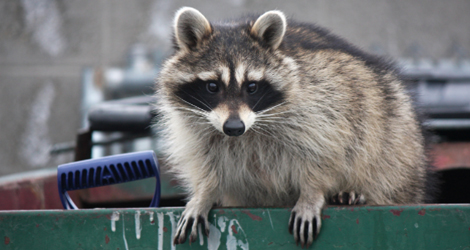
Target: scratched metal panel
(366,227)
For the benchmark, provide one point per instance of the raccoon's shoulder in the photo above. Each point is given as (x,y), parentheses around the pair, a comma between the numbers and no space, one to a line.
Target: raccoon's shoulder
(303,38)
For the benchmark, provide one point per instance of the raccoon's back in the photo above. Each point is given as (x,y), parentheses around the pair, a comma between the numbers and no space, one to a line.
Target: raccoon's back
(304,38)
(358,106)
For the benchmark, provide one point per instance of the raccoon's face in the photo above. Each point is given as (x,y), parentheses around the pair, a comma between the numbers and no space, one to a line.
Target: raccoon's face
(228,74)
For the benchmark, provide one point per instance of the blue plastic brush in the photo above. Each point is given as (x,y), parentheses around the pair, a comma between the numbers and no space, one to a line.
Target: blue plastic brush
(107,171)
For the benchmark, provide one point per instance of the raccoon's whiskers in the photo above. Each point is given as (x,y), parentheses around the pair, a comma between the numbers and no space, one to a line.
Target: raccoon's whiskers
(276,114)
(260,133)
(192,105)
(261,121)
(193,111)
(269,109)
(203,103)
(285,125)
(254,106)
(203,123)
(280,121)
(199,110)
(209,129)
(256,129)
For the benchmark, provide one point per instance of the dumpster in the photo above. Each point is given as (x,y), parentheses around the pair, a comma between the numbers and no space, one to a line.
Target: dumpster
(346,227)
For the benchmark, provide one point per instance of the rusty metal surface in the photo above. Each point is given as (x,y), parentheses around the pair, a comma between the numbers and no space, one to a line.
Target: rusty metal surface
(32,190)
(364,227)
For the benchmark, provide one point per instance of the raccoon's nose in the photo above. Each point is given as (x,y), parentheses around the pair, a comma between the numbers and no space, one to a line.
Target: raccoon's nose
(234,127)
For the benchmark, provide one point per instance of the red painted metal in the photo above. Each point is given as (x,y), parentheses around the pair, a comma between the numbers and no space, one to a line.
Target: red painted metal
(39,191)
(35,191)
(451,155)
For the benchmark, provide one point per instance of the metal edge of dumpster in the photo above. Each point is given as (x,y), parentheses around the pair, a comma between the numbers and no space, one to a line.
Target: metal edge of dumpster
(345,227)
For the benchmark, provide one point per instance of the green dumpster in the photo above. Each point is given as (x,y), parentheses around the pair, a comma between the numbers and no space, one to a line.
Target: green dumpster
(345,227)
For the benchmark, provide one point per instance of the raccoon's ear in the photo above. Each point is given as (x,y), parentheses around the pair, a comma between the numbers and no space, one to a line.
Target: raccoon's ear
(270,28)
(190,27)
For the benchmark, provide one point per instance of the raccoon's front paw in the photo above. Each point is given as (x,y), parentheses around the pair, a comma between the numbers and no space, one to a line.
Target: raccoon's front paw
(305,223)
(189,220)
(345,198)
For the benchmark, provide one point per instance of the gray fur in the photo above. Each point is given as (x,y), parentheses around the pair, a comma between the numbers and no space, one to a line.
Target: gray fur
(345,124)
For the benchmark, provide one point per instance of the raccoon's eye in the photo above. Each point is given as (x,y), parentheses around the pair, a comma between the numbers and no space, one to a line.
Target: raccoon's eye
(212,87)
(252,87)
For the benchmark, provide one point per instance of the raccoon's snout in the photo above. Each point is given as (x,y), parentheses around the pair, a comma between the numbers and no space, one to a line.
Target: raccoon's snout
(234,127)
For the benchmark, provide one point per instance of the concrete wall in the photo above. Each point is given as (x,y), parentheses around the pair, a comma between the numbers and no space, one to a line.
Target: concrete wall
(45,44)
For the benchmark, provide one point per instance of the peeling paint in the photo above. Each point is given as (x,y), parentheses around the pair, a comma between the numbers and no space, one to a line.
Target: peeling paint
(325,216)
(124,233)
(138,227)
(252,216)
(7,240)
(221,223)
(232,242)
(201,236)
(422,212)
(114,218)
(396,212)
(357,221)
(160,230)
(213,242)
(234,230)
(106,239)
(151,219)
(173,226)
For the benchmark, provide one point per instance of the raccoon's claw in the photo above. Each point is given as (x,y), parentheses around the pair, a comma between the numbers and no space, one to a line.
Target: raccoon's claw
(190,222)
(305,226)
(345,198)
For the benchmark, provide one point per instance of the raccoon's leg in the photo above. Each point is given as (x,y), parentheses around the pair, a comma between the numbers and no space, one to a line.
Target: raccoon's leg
(305,219)
(196,212)
(347,198)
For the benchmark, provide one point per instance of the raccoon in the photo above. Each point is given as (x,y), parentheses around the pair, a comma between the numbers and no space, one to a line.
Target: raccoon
(265,111)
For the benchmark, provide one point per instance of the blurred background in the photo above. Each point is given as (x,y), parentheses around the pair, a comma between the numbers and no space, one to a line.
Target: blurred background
(59,58)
